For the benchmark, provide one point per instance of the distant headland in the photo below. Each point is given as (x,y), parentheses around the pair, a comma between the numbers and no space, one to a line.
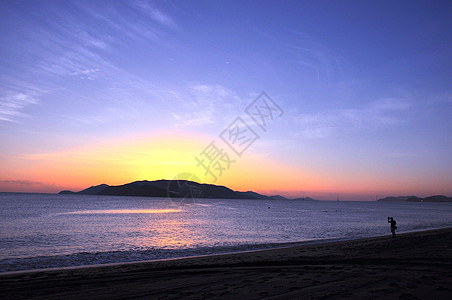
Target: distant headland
(175,189)
(436,198)
(184,188)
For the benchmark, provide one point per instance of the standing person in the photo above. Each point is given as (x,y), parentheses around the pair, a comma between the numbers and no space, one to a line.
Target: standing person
(393,226)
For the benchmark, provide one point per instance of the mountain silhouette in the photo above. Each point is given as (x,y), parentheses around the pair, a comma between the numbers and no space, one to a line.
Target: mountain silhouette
(436,198)
(171,188)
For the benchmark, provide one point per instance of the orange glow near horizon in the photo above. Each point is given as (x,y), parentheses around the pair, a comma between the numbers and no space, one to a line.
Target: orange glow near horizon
(114,162)
(167,154)
(161,156)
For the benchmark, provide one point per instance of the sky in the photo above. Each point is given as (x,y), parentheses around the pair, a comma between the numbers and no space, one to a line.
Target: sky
(327,99)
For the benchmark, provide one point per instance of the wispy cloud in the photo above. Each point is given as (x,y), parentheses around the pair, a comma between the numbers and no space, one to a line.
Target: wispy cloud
(155,13)
(79,62)
(324,124)
(28,186)
(21,182)
(108,115)
(87,73)
(12,103)
(312,60)
(315,59)
(76,45)
(203,104)
(146,23)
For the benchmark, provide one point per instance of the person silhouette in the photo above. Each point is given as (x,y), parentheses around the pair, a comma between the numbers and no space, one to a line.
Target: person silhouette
(393,226)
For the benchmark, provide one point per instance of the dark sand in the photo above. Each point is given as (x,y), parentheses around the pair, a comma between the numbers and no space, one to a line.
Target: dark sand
(412,266)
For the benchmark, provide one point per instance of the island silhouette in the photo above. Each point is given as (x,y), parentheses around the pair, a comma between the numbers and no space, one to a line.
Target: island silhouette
(184,188)
(174,189)
(436,198)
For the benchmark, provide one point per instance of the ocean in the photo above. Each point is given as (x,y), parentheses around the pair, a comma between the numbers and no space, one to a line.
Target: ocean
(48,230)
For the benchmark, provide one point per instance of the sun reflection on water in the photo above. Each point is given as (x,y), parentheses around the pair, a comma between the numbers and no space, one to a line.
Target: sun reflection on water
(170,234)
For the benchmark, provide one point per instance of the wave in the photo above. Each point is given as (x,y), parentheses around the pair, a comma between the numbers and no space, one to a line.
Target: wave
(97,258)
(124,256)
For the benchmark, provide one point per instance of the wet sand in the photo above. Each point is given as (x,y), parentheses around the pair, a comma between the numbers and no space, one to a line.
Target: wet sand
(413,266)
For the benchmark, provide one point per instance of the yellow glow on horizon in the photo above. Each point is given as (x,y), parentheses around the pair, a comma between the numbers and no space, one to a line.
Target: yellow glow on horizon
(161,156)
(165,155)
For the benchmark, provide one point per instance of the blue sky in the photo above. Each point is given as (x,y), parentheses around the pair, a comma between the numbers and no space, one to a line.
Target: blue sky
(365,87)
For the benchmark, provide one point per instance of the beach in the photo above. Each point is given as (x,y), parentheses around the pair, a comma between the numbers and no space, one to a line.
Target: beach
(413,265)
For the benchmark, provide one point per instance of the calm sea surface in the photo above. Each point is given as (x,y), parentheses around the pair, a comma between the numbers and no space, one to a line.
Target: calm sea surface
(43,230)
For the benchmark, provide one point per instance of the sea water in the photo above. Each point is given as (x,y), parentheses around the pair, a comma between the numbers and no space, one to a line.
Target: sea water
(47,230)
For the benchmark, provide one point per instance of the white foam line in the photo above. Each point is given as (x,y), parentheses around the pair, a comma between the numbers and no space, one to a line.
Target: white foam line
(290,245)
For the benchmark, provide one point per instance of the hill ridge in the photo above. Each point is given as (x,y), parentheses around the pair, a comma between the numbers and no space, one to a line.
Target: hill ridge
(173,189)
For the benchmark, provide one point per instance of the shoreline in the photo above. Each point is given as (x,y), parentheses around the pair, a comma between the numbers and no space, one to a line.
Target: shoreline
(271,246)
(413,264)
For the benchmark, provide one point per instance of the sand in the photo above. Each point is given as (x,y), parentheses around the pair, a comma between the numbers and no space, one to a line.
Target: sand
(413,266)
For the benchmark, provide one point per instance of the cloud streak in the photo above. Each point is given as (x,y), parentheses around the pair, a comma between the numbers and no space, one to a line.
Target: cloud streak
(28,186)
(12,104)
(155,13)
(203,104)
(64,50)
(314,58)
(385,112)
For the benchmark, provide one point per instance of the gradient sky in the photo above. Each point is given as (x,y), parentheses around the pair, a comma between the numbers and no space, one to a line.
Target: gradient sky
(116,91)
